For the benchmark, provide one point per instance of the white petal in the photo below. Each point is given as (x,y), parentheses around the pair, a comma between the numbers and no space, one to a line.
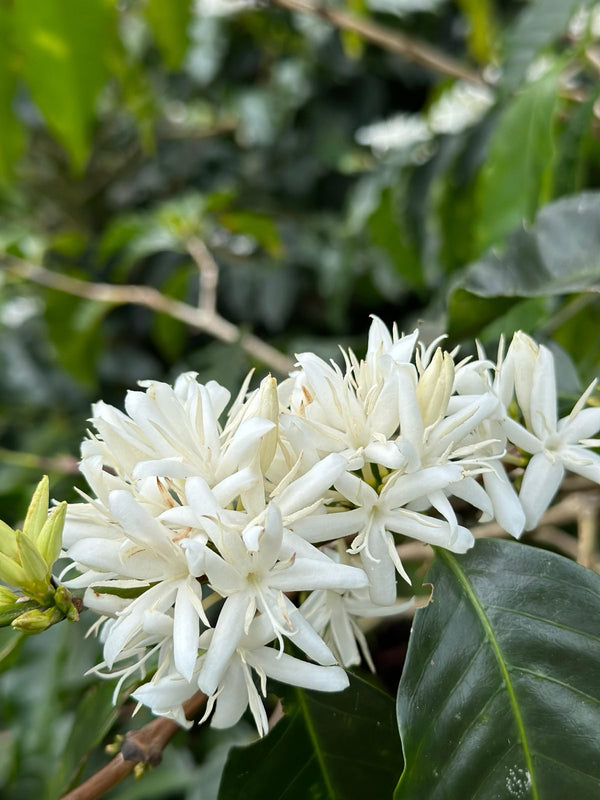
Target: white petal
(540,483)
(507,506)
(306,574)
(335,525)
(581,461)
(185,633)
(585,425)
(138,524)
(228,632)
(543,395)
(233,699)
(288,669)
(307,639)
(309,488)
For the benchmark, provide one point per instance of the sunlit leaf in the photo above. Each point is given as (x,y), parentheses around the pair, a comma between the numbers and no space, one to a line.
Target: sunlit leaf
(11,132)
(170,20)
(512,180)
(539,24)
(559,253)
(500,693)
(63,49)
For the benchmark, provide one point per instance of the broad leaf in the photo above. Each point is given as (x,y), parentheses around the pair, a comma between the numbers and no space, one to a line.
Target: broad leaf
(515,175)
(170,20)
(11,134)
(64,48)
(500,694)
(95,716)
(538,25)
(328,746)
(560,253)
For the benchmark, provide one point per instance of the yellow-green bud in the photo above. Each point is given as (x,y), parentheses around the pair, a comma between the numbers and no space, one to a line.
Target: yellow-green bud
(7,598)
(36,621)
(37,573)
(435,387)
(49,540)
(37,511)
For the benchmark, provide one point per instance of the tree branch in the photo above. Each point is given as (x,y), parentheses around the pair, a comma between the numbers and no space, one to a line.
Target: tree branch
(203,319)
(143,746)
(395,42)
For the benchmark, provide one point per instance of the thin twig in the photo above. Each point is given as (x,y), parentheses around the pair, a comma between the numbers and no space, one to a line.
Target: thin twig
(395,42)
(66,465)
(143,746)
(587,532)
(209,274)
(207,321)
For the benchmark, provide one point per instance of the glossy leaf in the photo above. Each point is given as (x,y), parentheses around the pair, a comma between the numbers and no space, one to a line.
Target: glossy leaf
(511,183)
(95,716)
(63,65)
(169,20)
(327,746)
(500,694)
(559,253)
(538,25)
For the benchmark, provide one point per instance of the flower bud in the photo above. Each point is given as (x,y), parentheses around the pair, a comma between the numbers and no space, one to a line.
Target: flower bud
(37,511)
(49,540)
(36,621)
(435,387)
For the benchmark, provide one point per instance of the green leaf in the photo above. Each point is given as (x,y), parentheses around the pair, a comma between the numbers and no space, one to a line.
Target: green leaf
(37,513)
(538,26)
(169,21)
(75,328)
(63,64)
(514,178)
(560,253)
(388,230)
(11,134)
(258,226)
(327,746)
(500,694)
(94,718)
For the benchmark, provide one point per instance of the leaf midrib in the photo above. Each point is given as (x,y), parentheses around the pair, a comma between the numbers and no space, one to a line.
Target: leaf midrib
(485,623)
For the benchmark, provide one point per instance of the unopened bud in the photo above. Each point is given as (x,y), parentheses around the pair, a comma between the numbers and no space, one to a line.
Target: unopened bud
(36,621)
(435,387)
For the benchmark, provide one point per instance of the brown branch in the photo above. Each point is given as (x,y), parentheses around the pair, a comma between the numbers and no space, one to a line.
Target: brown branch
(395,42)
(64,464)
(209,274)
(143,746)
(207,321)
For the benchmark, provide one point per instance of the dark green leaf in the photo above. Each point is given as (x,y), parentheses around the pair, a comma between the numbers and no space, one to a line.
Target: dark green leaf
(560,253)
(95,716)
(259,226)
(63,64)
(121,591)
(500,694)
(388,231)
(538,25)
(327,747)
(514,178)
(170,20)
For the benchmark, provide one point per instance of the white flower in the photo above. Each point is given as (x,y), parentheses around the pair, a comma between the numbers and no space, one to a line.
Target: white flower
(556,445)
(375,517)
(252,572)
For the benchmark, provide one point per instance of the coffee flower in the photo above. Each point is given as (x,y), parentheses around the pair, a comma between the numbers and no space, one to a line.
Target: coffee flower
(212,539)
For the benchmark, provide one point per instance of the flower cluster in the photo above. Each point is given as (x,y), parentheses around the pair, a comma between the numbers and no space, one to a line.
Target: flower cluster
(211,538)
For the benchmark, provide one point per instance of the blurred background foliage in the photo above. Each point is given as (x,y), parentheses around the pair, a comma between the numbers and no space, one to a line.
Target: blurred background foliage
(429,161)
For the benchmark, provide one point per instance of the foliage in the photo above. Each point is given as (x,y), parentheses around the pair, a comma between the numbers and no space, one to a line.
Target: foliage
(330,179)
